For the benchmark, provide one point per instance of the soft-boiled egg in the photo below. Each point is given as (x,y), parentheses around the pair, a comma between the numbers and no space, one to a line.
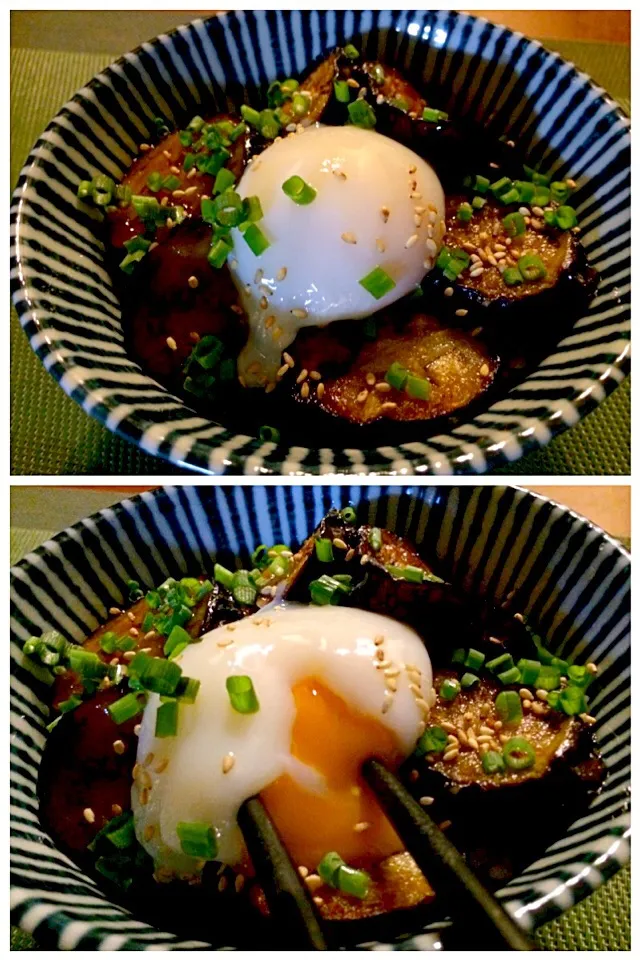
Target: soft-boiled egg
(334,686)
(367,238)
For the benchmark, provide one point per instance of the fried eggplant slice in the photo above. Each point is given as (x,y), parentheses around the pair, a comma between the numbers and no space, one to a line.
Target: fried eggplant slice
(458,367)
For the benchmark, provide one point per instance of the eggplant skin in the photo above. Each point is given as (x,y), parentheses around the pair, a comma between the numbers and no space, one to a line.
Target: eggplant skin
(222,609)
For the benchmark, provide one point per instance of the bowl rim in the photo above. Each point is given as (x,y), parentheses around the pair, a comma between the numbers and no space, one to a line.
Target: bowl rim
(343,495)
(216,454)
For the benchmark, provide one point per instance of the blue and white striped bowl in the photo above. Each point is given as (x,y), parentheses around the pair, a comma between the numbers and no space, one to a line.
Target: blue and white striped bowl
(71,315)
(568,576)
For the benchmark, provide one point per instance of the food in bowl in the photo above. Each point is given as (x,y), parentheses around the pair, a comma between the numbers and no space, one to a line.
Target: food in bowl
(280,680)
(347,256)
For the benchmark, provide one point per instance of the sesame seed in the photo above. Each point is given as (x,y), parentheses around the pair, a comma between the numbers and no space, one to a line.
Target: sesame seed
(288,359)
(129,655)
(300,313)
(586,717)
(380,244)
(190,190)
(228,762)
(461,313)
(177,193)
(340,174)
(494,166)
(192,173)
(239,882)
(320,390)
(302,376)
(385,213)
(169,222)
(484,370)
(525,694)
(387,701)
(269,321)
(171,343)
(264,303)
(304,390)
(222,884)
(361,827)
(592,668)
(571,184)
(379,640)
(371,379)
(89,815)
(339,543)
(538,708)
(161,765)
(415,196)
(448,292)
(537,211)
(233,263)
(119,747)
(313,881)
(353,83)
(147,146)
(451,738)
(415,689)
(193,282)
(283,369)
(389,405)
(450,755)
(224,643)
(348,237)
(149,831)
(411,240)
(417,219)
(164,201)
(426,801)
(542,695)
(362,396)
(315,375)
(116,809)
(497,725)
(137,729)
(114,611)
(379,99)
(422,704)
(281,274)
(383,387)
(318,901)
(431,247)
(303,871)
(476,272)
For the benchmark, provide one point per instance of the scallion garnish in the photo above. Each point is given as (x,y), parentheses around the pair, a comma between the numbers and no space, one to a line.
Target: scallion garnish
(348,514)
(341,91)
(529,671)
(378,283)
(252,210)
(299,191)
(531,267)
(327,590)
(242,694)
(432,115)
(509,708)
(177,637)
(408,572)
(449,689)
(269,434)
(492,762)
(433,740)
(223,576)
(512,277)
(336,873)
(167,719)
(498,664)
(154,181)
(351,52)
(518,753)
(243,590)
(87,664)
(559,191)
(375,539)
(362,114)
(197,840)
(125,708)
(224,180)
(155,674)
(218,253)
(417,387)
(566,218)
(66,706)
(256,240)
(324,550)
(514,224)
(464,213)
(187,690)
(468,680)
(507,677)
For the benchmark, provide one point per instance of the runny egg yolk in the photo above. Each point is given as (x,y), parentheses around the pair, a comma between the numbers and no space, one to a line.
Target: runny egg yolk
(332,738)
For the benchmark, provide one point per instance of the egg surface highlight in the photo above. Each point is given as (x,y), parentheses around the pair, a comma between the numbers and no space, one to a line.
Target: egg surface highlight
(377,205)
(334,685)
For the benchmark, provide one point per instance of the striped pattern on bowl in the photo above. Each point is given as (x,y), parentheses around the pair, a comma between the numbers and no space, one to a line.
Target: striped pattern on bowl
(71,315)
(568,576)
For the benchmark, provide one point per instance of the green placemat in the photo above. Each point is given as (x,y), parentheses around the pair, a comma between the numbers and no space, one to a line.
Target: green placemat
(600,922)
(50,434)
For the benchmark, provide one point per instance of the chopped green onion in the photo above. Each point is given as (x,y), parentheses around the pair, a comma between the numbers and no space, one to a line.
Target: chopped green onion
(353,882)
(228,208)
(518,754)
(155,674)
(526,190)
(464,213)
(550,218)
(196,124)
(66,706)
(500,187)
(171,182)
(252,209)
(535,177)
(566,218)
(300,105)
(327,590)
(579,676)
(459,655)
(559,191)
(243,591)
(299,191)
(512,277)
(154,181)
(187,690)
(348,514)
(213,162)
(108,642)
(167,719)
(418,387)
(351,52)
(224,180)
(85,188)
(123,835)
(512,675)
(509,708)
(255,239)
(218,253)
(189,162)
(511,196)
(449,689)
(362,114)
(478,203)
(397,375)
(185,137)
(400,103)
(125,708)
(324,550)
(242,694)
(514,224)
(147,208)
(329,866)
(548,678)
(250,115)
(492,762)
(341,91)
(378,283)
(474,659)
(375,539)
(481,184)
(269,125)
(177,637)
(529,671)
(269,434)
(541,197)
(123,194)
(434,116)
(572,700)
(433,740)
(237,132)
(503,662)
(87,664)
(409,572)
(197,840)
(468,680)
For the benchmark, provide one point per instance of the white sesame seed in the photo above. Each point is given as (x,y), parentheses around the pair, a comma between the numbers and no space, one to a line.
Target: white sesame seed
(288,359)
(385,213)
(227,762)
(380,244)
(448,292)
(383,387)
(361,827)
(302,376)
(304,390)
(171,343)
(119,747)
(281,274)
(348,237)
(450,755)
(571,184)
(193,282)
(431,246)
(177,193)
(146,146)
(426,801)
(411,240)
(340,174)
(89,815)
(461,313)
(477,272)
(300,313)
(484,370)
(114,611)
(586,717)
(320,390)
(362,396)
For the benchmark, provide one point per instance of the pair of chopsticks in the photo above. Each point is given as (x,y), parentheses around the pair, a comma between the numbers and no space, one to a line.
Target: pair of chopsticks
(470,904)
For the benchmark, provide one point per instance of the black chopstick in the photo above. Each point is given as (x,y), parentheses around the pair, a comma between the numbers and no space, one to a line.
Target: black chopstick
(483,919)
(288,898)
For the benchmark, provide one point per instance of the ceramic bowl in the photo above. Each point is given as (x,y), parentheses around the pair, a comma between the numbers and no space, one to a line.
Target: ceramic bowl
(65,298)
(569,577)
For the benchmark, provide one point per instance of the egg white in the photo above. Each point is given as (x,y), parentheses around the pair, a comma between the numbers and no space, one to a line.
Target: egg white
(370,189)
(276,647)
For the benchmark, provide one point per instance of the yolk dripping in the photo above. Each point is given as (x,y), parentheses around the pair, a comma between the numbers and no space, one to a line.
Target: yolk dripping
(334,740)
